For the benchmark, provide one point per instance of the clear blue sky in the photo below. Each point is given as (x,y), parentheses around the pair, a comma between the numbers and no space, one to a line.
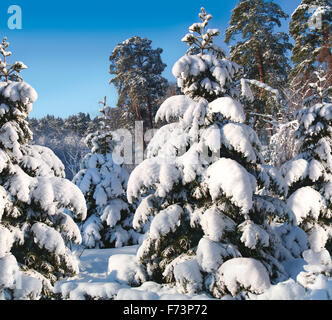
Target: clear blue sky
(67,44)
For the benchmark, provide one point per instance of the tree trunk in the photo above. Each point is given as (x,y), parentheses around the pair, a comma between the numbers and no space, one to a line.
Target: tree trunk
(260,66)
(137,112)
(148,108)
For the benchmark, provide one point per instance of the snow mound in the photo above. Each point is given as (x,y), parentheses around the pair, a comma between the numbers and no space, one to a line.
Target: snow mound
(243,273)
(188,276)
(125,269)
(287,290)
(135,294)
(87,290)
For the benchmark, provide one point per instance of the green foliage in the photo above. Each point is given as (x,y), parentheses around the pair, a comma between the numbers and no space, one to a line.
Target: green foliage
(312,36)
(137,70)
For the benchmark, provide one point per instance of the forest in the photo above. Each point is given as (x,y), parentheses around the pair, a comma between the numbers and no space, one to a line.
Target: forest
(216,185)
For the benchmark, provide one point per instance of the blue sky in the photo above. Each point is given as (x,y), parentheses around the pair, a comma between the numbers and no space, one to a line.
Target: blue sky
(67,44)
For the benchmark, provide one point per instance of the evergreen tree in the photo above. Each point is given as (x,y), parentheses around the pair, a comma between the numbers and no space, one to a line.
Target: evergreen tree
(204,189)
(261,50)
(137,70)
(103,183)
(311,29)
(37,204)
(309,175)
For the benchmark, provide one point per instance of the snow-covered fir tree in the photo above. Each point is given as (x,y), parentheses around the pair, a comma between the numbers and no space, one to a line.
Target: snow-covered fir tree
(206,193)
(137,70)
(38,206)
(103,182)
(309,175)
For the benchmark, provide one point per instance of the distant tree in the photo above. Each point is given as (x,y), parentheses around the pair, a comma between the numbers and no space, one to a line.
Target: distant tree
(260,49)
(311,28)
(137,70)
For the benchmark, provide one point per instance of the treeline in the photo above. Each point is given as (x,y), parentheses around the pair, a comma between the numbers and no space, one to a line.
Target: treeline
(66,136)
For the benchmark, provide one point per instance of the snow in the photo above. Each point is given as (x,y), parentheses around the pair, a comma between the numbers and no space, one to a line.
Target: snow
(166,221)
(317,237)
(299,169)
(214,224)
(253,234)
(188,276)
(226,176)
(143,212)
(157,172)
(18,91)
(195,66)
(229,108)
(48,238)
(174,107)
(98,280)
(42,161)
(112,212)
(294,171)
(210,254)
(6,241)
(235,136)
(124,268)
(306,202)
(287,290)
(243,273)
(9,271)
(95,281)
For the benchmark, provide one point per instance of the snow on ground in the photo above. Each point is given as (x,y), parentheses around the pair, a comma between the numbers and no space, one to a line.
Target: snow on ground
(95,282)
(105,276)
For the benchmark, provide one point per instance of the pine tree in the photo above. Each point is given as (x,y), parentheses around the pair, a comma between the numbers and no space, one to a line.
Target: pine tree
(137,70)
(38,206)
(311,29)
(200,204)
(103,182)
(261,50)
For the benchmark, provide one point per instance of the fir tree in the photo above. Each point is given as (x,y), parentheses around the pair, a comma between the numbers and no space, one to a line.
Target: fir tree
(261,50)
(37,204)
(199,188)
(137,70)
(103,182)
(309,175)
